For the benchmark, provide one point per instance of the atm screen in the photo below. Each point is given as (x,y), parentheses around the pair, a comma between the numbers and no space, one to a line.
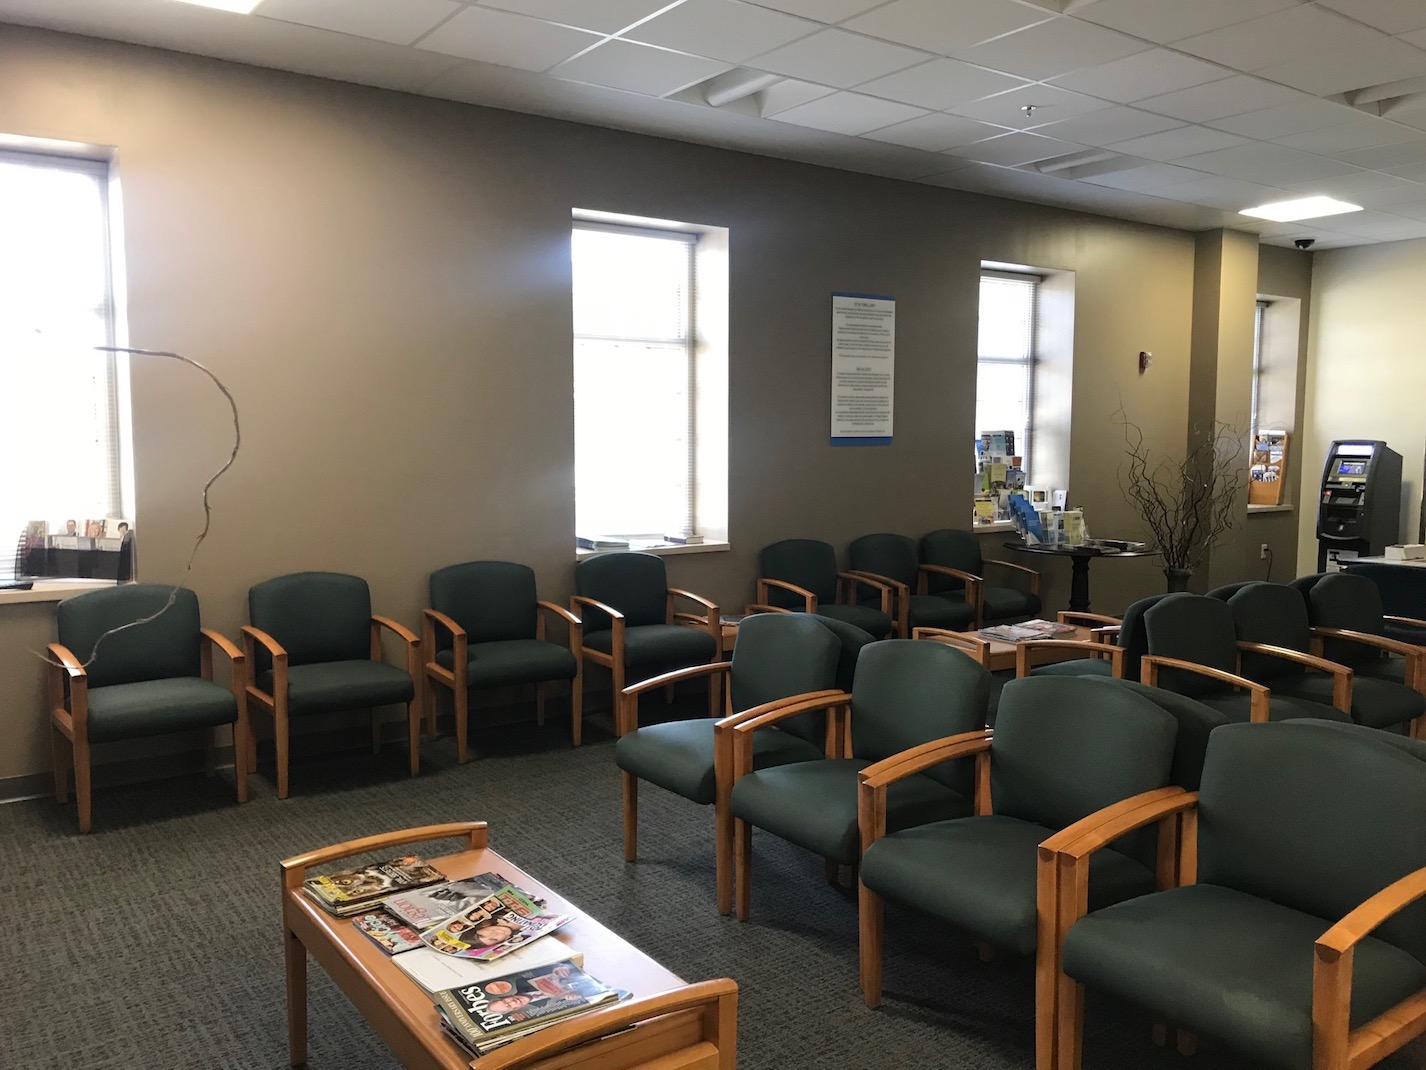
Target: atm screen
(1352,468)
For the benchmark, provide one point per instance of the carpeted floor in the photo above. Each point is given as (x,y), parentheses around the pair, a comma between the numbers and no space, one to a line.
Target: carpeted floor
(154,942)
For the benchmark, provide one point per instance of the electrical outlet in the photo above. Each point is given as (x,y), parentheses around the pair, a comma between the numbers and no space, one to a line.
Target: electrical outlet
(1263,552)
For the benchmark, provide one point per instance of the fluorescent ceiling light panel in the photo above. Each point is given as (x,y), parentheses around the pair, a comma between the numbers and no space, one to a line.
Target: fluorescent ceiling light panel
(242,7)
(1301,208)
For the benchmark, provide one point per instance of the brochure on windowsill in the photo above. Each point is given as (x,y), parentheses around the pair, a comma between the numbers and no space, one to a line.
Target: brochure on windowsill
(1026,630)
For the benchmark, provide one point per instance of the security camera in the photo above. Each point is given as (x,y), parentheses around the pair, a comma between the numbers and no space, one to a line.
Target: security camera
(1304,243)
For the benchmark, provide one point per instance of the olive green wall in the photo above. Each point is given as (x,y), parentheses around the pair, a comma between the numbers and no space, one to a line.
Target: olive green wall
(383,282)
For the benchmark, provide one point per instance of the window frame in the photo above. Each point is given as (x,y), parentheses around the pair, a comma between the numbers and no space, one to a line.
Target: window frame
(1031,361)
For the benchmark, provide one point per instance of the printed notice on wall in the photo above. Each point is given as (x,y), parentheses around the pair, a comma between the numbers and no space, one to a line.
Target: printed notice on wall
(863,369)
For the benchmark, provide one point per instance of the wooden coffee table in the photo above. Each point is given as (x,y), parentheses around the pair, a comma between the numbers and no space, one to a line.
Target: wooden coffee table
(999,656)
(402,1014)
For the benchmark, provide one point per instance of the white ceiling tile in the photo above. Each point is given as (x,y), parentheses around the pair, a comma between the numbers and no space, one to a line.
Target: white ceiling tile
(848,113)
(1372,189)
(1411,209)
(1232,194)
(789,93)
(1385,157)
(822,10)
(940,84)
(1271,165)
(602,16)
(839,58)
(1179,142)
(1416,172)
(1052,48)
(1303,31)
(1215,100)
(400,24)
(1147,178)
(1172,20)
(1144,74)
(1008,150)
(1416,37)
(1351,65)
(721,29)
(1373,225)
(1391,16)
(1364,132)
(509,40)
(1284,120)
(637,68)
(1111,125)
(932,25)
(1048,105)
(935,132)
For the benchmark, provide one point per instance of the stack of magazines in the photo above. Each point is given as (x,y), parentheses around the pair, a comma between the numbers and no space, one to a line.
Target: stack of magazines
(354,891)
(1026,630)
(483,1016)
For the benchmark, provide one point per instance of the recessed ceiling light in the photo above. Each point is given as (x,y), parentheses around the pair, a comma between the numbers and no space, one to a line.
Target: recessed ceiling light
(242,7)
(1301,208)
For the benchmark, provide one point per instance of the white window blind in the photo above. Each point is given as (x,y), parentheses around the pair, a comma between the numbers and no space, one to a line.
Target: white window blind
(1005,377)
(59,439)
(633,381)
(1257,368)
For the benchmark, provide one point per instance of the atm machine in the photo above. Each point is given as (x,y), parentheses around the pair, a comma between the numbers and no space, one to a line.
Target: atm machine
(1359,509)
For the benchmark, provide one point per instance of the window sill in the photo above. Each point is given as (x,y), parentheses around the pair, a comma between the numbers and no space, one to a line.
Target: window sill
(1254,509)
(997,526)
(52,590)
(657,549)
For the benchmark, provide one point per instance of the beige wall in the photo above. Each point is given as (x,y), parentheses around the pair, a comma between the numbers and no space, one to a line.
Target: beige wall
(383,282)
(1365,372)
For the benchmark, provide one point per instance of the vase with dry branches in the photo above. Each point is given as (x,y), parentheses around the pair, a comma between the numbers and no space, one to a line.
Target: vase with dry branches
(1186,502)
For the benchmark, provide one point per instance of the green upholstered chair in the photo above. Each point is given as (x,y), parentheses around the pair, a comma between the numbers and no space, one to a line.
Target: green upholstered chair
(147,679)
(960,550)
(1062,749)
(630,624)
(314,646)
(1274,614)
(486,628)
(1127,633)
(1297,918)
(801,574)
(1402,592)
(779,656)
(891,559)
(906,692)
(1194,650)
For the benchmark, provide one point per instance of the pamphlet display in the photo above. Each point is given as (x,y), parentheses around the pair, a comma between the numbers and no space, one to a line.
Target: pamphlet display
(863,369)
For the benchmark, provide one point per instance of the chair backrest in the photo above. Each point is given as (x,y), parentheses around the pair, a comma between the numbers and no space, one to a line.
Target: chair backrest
(908,692)
(852,639)
(491,600)
(1349,601)
(956,549)
(160,649)
(1192,627)
(808,563)
(779,655)
(1067,746)
(1228,590)
(1195,722)
(634,584)
(1316,818)
(1402,589)
(1275,614)
(316,616)
(1304,584)
(892,556)
(1133,637)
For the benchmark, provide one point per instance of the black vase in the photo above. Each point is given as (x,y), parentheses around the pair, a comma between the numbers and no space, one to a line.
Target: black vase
(1177,578)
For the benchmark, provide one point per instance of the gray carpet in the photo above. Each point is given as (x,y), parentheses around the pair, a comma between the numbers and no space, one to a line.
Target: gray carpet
(154,942)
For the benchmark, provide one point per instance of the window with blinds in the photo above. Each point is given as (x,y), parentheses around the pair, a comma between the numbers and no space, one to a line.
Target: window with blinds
(1257,398)
(59,439)
(1005,374)
(633,381)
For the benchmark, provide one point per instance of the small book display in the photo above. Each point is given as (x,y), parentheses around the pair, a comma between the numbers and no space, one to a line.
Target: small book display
(1267,472)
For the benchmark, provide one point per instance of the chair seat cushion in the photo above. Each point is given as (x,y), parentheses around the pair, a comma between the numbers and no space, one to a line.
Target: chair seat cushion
(1005,603)
(1230,965)
(1393,669)
(979,873)
(936,611)
(868,618)
(678,755)
(1376,703)
(814,804)
(1238,707)
(513,661)
(1078,667)
(342,685)
(657,646)
(153,707)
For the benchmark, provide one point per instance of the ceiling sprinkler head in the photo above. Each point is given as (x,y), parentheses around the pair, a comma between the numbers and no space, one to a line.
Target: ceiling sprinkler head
(1027,109)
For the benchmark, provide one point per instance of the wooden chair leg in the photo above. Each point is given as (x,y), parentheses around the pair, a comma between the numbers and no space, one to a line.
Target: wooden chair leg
(296,962)
(252,743)
(869,926)
(460,703)
(413,734)
(715,695)
(576,707)
(1069,1023)
(540,704)
(60,752)
(82,786)
(428,707)
(723,854)
(742,868)
(279,734)
(631,815)
(1185,1042)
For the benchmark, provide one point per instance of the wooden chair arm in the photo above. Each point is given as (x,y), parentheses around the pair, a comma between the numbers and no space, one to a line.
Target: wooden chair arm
(717,999)
(900,766)
(1261,695)
(698,599)
(1107,634)
(405,634)
(847,582)
(273,647)
(1410,622)
(759,607)
(613,614)
(974,584)
(674,676)
(772,712)
(1365,917)
(976,646)
(65,660)
(877,580)
(1341,674)
(809,599)
(296,866)
(208,638)
(1103,827)
(1033,573)
(559,611)
(727,724)
(1025,654)
(1380,642)
(435,616)
(734,735)
(223,643)
(1086,620)
(68,709)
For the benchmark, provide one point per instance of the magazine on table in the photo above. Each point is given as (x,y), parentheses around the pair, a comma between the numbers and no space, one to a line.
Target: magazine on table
(388,933)
(1027,630)
(495,926)
(356,891)
(435,972)
(488,1014)
(424,908)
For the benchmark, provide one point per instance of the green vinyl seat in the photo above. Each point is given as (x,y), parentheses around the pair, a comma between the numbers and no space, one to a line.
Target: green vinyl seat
(778,656)
(314,646)
(801,574)
(485,628)
(134,661)
(905,693)
(892,559)
(998,604)
(1298,825)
